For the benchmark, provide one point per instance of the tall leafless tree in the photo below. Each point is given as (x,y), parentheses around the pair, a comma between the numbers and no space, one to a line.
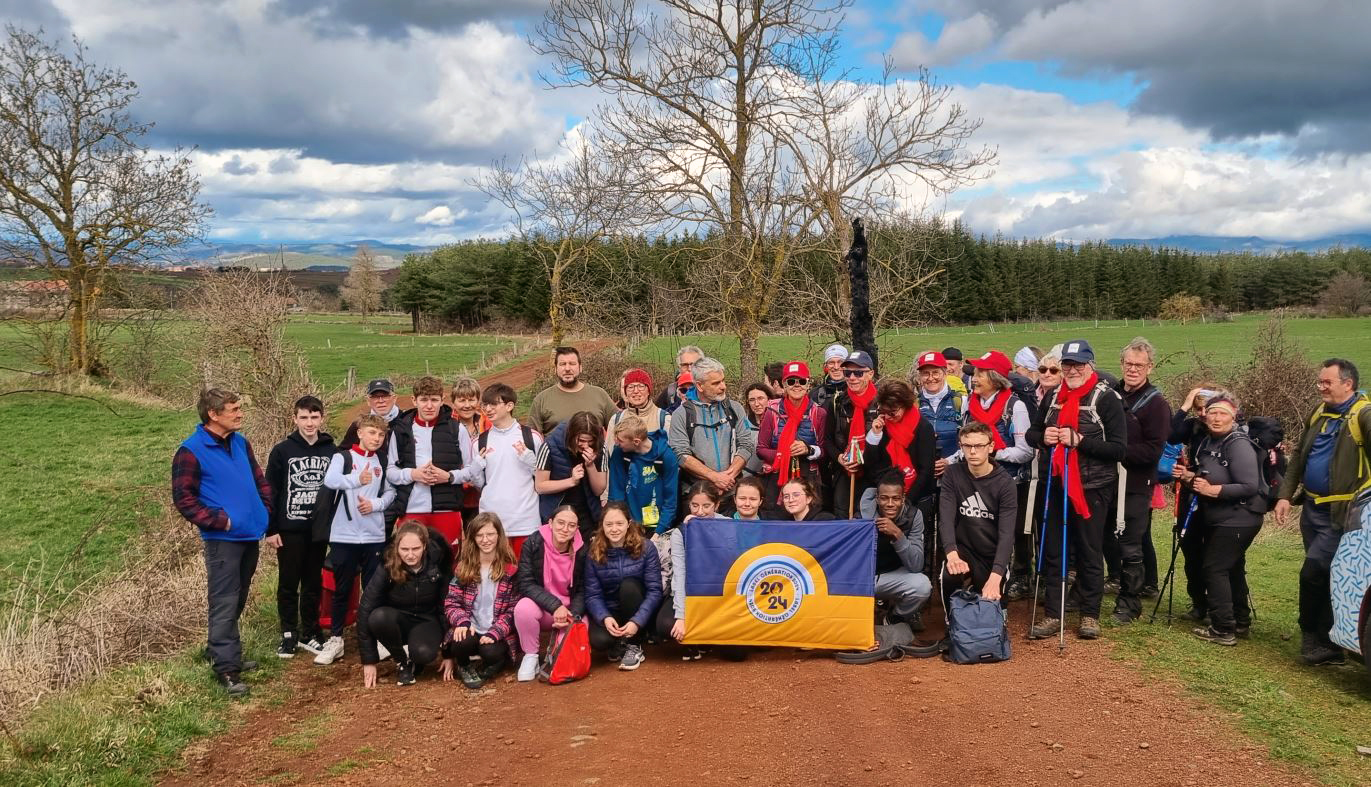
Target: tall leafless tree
(743,128)
(362,289)
(79,193)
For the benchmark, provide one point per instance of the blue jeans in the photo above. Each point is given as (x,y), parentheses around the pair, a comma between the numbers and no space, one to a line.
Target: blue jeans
(229,566)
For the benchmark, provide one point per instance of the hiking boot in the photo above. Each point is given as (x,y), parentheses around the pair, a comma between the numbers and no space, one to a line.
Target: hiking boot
(1112,585)
(248,666)
(632,658)
(528,668)
(1047,627)
(469,677)
(1150,591)
(1315,651)
(233,684)
(489,672)
(1122,618)
(1194,614)
(1017,590)
(330,652)
(404,673)
(288,646)
(312,644)
(1089,628)
(1242,630)
(615,652)
(1208,634)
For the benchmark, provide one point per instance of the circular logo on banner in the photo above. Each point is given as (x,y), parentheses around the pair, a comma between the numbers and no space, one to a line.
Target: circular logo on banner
(774,588)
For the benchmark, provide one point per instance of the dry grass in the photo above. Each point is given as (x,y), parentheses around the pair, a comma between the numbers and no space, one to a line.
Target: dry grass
(53,638)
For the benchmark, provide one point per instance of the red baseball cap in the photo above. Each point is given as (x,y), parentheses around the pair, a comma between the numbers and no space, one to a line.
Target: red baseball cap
(795,369)
(685,378)
(993,361)
(932,358)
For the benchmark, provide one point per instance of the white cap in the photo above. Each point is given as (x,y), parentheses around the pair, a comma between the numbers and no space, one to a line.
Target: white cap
(835,352)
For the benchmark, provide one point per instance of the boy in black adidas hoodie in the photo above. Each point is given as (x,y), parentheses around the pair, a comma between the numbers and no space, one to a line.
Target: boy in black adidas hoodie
(295,471)
(979,505)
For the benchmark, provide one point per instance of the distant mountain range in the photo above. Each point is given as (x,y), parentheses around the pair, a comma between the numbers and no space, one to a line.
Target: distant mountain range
(1253,244)
(295,256)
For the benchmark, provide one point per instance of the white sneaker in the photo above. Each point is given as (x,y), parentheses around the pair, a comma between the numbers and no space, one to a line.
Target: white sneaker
(382,652)
(528,668)
(331,652)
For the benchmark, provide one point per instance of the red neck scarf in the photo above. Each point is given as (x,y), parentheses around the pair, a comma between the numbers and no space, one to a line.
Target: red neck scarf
(991,417)
(859,404)
(1070,416)
(901,438)
(794,416)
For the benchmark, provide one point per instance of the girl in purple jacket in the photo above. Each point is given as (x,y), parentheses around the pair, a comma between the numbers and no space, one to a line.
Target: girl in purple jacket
(623,586)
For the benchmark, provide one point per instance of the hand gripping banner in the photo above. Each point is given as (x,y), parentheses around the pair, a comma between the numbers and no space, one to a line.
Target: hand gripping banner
(801,584)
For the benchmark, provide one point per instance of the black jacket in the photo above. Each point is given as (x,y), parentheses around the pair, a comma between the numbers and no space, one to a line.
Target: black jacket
(529,579)
(816,514)
(1233,462)
(447,455)
(422,594)
(295,473)
(1148,430)
(924,452)
(835,437)
(1104,434)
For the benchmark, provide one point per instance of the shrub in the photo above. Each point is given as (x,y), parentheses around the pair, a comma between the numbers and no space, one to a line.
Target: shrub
(1346,295)
(1182,308)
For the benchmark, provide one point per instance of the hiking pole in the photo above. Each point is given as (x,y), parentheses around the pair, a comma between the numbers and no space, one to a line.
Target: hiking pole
(1066,512)
(1168,588)
(1042,544)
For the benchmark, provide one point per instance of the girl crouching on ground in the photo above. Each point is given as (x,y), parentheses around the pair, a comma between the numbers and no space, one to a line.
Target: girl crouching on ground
(551,581)
(402,606)
(480,603)
(623,587)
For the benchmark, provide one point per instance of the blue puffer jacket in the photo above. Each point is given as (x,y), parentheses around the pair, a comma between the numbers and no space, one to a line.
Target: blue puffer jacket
(603,579)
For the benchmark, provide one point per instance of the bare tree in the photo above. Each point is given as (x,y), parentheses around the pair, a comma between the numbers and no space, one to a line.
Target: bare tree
(566,209)
(363,287)
(730,110)
(78,192)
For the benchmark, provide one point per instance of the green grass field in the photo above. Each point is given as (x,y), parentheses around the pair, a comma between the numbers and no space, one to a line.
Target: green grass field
(1313,718)
(1226,342)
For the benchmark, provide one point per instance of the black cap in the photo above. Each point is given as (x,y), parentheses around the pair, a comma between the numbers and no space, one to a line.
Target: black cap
(952,354)
(1078,351)
(378,385)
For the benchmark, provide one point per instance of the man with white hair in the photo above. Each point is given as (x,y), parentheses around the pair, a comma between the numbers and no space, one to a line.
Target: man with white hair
(711,437)
(670,398)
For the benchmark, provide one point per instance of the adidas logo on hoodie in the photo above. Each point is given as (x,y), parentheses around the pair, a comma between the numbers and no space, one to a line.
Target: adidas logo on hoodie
(974,506)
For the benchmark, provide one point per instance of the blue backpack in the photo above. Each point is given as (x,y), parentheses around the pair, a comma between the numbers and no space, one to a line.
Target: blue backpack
(977,629)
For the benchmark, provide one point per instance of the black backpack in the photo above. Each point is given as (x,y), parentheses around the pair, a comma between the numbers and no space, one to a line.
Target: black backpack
(1270,462)
(484,439)
(729,413)
(326,505)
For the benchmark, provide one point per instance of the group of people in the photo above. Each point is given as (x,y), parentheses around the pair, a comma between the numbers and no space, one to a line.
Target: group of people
(473,535)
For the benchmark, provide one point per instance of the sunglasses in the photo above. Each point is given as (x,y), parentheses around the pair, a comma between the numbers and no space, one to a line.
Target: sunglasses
(796,381)
(855,372)
(1049,370)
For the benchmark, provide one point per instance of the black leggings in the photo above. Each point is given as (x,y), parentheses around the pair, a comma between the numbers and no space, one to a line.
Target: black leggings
(631,595)
(493,655)
(396,628)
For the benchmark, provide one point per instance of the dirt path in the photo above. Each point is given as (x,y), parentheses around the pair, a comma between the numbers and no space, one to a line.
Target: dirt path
(782,717)
(518,376)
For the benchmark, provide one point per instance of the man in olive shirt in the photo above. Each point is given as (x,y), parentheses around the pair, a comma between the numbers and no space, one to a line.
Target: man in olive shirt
(557,403)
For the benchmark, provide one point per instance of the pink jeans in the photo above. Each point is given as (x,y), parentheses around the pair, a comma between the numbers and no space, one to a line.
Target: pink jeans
(530,620)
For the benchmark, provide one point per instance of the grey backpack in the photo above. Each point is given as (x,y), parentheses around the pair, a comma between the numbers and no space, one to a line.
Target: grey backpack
(977,629)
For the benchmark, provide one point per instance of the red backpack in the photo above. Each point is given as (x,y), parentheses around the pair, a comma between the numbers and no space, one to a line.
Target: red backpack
(568,657)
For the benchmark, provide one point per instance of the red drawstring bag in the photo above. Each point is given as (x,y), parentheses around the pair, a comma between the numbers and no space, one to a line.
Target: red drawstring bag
(568,657)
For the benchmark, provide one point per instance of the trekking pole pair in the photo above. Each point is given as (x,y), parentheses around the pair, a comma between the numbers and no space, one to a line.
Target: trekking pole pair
(1042,545)
(1168,588)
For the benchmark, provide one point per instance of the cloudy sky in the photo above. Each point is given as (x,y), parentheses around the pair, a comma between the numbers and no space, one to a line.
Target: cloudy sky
(345,119)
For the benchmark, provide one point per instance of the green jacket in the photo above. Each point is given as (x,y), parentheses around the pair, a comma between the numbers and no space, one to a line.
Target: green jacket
(1349,470)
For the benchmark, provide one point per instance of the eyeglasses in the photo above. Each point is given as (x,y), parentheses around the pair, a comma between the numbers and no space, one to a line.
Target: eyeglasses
(1049,370)
(855,372)
(794,496)
(1136,365)
(792,381)
(932,372)
(635,387)
(974,446)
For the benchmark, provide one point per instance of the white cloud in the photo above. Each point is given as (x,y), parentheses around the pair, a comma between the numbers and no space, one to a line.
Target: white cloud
(440,216)
(958,40)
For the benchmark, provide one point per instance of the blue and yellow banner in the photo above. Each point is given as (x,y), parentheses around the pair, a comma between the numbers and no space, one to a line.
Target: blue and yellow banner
(802,584)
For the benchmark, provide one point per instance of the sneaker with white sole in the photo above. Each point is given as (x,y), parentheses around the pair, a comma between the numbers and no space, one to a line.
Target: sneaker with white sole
(312,645)
(633,658)
(330,652)
(286,650)
(528,667)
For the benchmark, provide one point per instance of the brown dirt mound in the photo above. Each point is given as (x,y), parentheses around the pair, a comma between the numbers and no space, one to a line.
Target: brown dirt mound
(782,717)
